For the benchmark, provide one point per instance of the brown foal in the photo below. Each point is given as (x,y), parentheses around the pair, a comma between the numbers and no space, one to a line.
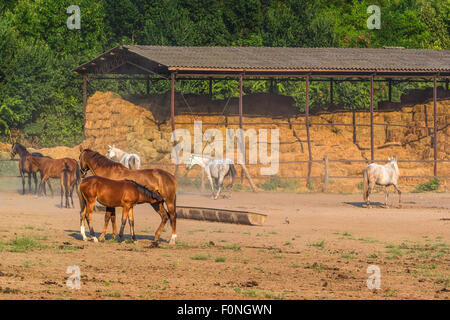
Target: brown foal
(153,179)
(66,169)
(112,193)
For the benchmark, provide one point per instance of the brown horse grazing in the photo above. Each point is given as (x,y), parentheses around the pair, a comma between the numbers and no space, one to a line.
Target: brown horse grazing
(112,193)
(25,166)
(66,169)
(153,179)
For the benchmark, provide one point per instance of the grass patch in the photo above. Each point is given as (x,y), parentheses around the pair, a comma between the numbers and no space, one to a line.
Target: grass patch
(220,259)
(233,246)
(199,257)
(348,255)
(24,244)
(319,245)
(113,294)
(275,183)
(195,231)
(392,293)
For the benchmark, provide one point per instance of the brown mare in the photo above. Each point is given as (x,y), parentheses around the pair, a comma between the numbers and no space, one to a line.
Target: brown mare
(153,179)
(66,169)
(25,166)
(112,193)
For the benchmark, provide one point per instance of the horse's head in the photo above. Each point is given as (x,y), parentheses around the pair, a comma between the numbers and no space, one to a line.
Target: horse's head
(114,152)
(393,162)
(84,168)
(14,150)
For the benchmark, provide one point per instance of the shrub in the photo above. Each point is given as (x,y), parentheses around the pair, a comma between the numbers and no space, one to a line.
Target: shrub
(430,185)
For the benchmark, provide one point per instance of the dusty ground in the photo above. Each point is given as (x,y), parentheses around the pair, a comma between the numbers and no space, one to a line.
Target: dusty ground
(323,253)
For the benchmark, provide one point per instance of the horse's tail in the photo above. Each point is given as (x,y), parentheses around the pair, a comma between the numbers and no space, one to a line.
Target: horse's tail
(77,175)
(365,185)
(155,195)
(134,162)
(138,162)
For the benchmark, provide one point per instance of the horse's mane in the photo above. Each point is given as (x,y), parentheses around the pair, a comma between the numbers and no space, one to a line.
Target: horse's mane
(103,161)
(147,192)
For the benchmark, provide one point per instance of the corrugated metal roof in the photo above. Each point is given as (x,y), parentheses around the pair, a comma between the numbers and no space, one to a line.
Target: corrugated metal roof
(283,58)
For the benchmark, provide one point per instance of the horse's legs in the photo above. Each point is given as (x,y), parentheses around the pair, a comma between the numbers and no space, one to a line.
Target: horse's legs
(369,190)
(89,220)
(105,227)
(220,184)
(29,181)
(68,189)
(163,214)
(173,222)
(399,193)
(63,190)
(72,186)
(125,210)
(113,221)
(131,223)
(49,186)
(44,179)
(35,182)
(386,195)
(23,181)
(45,189)
(82,220)
(208,174)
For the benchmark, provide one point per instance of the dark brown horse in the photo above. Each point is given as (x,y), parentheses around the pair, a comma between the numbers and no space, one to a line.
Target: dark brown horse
(66,169)
(112,193)
(25,166)
(153,179)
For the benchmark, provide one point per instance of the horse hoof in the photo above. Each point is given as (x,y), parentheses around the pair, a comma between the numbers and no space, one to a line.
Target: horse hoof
(155,244)
(85,239)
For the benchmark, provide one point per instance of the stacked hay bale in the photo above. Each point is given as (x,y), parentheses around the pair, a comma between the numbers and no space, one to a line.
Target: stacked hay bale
(141,124)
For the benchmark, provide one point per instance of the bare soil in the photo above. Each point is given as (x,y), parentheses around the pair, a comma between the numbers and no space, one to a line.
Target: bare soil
(322,253)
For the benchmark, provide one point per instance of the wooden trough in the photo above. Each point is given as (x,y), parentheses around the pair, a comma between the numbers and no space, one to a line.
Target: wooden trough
(221,215)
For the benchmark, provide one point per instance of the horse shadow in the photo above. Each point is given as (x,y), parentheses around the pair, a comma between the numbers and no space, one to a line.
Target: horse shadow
(76,235)
(364,205)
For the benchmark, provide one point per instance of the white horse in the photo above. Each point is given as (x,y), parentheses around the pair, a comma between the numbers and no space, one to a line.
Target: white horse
(216,169)
(129,160)
(382,175)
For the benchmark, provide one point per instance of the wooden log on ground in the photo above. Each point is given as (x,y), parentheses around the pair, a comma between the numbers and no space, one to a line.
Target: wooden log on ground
(221,215)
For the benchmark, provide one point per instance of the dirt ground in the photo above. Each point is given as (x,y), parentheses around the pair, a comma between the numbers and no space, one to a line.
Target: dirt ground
(322,253)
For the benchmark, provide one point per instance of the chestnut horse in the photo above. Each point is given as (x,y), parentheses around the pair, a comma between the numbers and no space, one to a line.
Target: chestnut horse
(66,169)
(112,193)
(25,166)
(153,179)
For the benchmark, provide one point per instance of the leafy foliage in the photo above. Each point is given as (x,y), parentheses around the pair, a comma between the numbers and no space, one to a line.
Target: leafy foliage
(41,98)
(430,185)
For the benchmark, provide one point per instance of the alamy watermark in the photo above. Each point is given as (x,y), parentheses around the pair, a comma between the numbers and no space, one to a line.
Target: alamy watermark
(374,281)
(74,280)
(74,20)
(234,143)
(374,21)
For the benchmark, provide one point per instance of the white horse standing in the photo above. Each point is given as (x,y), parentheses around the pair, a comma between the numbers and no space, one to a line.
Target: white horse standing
(382,175)
(129,160)
(214,168)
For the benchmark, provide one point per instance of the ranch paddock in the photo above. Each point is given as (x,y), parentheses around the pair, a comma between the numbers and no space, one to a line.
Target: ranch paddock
(323,253)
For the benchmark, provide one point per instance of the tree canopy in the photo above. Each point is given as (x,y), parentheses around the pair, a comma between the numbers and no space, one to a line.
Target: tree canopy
(41,98)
